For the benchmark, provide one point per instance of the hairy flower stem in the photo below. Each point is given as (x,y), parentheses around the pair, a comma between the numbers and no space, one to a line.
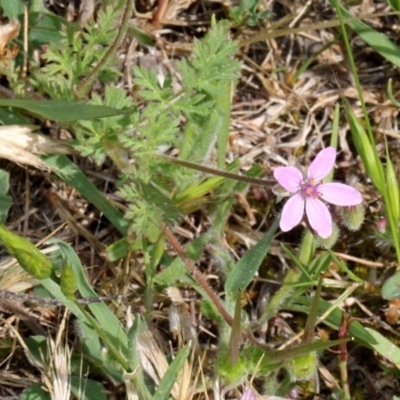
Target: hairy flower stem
(213,171)
(203,283)
(343,356)
(84,86)
(198,276)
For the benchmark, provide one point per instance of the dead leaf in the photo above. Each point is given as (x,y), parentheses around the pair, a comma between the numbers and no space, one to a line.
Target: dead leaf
(19,144)
(19,156)
(8,32)
(22,136)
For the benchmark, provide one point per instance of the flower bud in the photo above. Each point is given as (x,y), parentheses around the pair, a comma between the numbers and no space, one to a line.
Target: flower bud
(381,225)
(302,368)
(330,241)
(353,216)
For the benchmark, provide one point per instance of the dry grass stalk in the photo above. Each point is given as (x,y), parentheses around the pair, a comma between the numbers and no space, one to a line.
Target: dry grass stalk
(155,364)
(57,369)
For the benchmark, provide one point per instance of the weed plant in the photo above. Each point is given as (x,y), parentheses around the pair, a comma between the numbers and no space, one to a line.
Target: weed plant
(167,140)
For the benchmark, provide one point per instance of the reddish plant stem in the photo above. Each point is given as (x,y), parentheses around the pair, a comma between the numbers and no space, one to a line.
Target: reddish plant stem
(203,283)
(198,276)
(343,355)
(160,12)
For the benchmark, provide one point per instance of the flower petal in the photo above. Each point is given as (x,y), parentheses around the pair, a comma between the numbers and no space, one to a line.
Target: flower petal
(290,178)
(292,213)
(322,164)
(319,217)
(340,194)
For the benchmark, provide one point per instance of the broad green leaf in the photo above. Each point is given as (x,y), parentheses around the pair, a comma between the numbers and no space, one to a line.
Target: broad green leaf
(107,320)
(385,347)
(12,9)
(28,256)
(5,204)
(63,111)
(391,287)
(8,117)
(395,4)
(92,331)
(38,350)
(244,270)
(87,389)
(121,247)
(35,392)
(4,182)
(46,28)
(5,200)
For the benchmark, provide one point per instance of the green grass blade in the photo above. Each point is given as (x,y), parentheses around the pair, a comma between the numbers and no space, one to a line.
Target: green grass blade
(385,347)
(379,42)
(168,380)
(106,319)
(73,176)
(63,111)
(333,319)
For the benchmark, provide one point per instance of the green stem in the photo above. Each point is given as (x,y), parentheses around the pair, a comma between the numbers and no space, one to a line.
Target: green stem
(344,380)
(84,86)
(213,171)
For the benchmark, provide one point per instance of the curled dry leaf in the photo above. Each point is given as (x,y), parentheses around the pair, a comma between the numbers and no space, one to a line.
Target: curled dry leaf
(22,136)
(19,144)
(19,156)
(8,32)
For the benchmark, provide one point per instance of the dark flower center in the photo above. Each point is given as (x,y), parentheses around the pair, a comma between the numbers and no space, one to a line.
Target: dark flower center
(310,190)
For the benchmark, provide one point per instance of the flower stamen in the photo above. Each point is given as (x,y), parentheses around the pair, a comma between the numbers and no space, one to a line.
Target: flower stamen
(309,190)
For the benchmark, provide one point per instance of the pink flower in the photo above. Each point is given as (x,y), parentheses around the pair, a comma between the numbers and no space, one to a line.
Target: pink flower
(308,191)
(248,394)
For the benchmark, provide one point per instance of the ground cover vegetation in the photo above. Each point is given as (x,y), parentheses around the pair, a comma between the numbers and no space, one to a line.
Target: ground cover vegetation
(199,199)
